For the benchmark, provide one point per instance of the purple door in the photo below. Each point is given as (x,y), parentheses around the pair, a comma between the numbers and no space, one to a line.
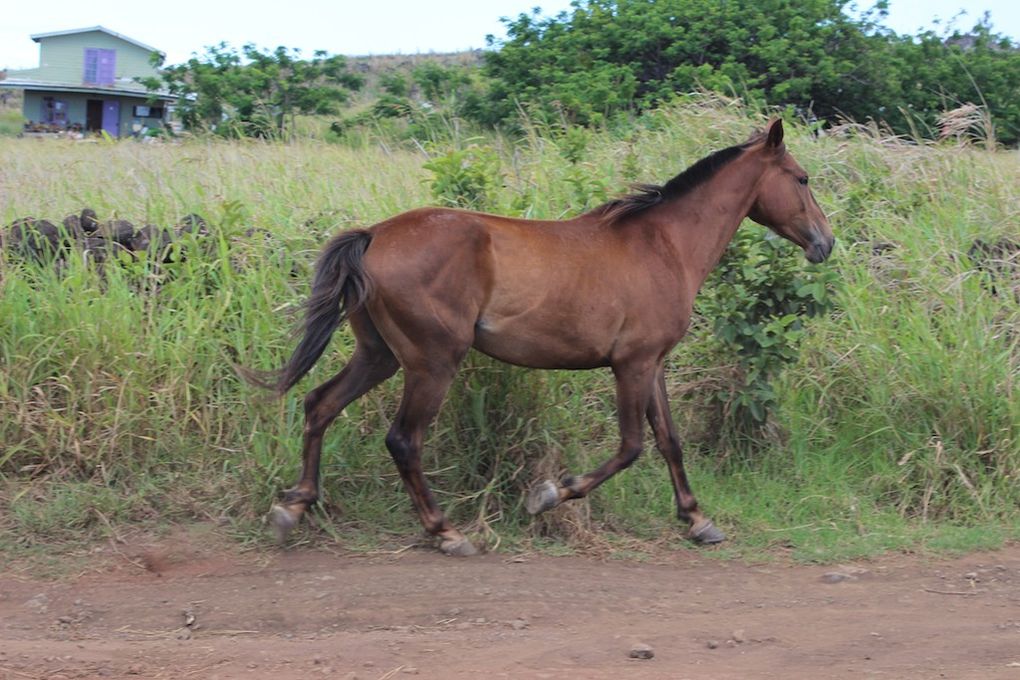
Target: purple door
(111,117)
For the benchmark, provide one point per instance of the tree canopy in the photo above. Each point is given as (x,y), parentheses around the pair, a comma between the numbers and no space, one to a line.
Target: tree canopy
(610,56)
(607,58)
(254,91)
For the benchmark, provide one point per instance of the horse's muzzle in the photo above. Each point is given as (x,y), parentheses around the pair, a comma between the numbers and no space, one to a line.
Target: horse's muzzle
(819,249)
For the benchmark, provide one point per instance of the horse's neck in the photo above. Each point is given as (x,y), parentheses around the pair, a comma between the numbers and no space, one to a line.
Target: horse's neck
(699,225)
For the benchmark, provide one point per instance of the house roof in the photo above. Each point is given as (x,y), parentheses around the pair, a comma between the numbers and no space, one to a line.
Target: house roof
(44,86)
(39,36)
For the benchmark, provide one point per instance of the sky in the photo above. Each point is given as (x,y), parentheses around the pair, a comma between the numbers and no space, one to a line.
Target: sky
(359,27)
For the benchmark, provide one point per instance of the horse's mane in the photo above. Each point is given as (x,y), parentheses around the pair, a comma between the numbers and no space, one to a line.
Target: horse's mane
(645,196)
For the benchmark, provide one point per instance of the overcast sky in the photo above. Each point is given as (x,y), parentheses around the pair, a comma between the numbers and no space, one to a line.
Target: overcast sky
(355,27)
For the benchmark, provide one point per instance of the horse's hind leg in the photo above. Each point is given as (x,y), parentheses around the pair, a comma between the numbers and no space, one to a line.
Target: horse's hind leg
(372,363)
(666,440)
(424,391)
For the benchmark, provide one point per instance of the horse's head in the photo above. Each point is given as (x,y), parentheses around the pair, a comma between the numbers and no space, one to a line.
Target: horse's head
(784,202)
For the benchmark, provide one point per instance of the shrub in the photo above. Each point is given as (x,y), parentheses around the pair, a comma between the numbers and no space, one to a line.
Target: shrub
(465,178)
(757,300)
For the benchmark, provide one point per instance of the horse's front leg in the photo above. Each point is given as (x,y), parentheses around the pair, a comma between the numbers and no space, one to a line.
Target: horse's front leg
(634,382)
(666,440)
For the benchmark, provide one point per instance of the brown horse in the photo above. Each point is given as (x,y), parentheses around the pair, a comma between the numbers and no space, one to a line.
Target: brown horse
(613,287)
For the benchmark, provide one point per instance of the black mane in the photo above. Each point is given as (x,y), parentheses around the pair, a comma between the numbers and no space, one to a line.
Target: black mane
(645,196)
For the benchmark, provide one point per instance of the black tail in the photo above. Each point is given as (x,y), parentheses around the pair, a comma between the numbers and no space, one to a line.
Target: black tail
(340,287)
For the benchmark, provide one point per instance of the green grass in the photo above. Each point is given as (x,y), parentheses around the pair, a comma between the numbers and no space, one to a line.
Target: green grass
(898,428)
(11,122)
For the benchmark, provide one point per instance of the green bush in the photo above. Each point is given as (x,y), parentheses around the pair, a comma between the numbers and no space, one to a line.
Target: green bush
(392,106)
(465,178)
(394,84)
(758,299)
(605,58)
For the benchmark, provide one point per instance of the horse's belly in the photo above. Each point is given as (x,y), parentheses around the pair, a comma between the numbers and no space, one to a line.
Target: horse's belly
(524,344)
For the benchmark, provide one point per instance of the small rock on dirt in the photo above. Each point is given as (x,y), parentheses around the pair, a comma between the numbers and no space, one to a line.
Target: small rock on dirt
(641,651)
(712,644)
(518,624)
(738,635)
(40,603)
(835,577)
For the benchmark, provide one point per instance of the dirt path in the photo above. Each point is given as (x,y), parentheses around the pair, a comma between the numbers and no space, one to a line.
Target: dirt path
(305,614)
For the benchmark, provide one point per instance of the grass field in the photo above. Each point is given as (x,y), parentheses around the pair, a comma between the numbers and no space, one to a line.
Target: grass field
(897,428)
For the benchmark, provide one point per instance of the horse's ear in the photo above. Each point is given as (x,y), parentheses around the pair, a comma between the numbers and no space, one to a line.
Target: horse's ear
(774,140)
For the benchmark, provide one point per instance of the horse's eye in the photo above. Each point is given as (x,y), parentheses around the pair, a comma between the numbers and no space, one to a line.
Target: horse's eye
(803,180)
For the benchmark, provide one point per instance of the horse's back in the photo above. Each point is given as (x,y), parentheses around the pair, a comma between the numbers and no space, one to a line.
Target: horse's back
(533,293)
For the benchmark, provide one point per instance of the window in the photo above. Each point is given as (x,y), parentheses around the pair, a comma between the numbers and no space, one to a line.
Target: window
(148,112)
(54,111)
(100,66)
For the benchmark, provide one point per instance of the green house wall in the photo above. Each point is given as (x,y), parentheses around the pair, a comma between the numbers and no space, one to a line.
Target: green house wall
(77,106)
(62,66)
(62,59)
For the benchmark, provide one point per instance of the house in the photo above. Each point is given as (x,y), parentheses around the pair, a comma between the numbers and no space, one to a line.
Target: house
(87,81)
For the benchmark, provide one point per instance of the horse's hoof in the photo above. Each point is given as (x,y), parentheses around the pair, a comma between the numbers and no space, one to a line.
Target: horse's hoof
(545,496)
(706,533)
(458,547)
(282,520)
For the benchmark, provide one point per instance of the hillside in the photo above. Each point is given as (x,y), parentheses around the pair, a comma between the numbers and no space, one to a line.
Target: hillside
(376,66)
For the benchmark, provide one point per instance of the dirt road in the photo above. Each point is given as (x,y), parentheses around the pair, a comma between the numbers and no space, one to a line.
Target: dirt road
(305,614)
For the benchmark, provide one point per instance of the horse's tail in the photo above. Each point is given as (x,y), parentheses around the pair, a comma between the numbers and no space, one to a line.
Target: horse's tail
(339,288)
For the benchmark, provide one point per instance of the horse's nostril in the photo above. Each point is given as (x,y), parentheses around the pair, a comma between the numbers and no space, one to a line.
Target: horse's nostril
(819,248)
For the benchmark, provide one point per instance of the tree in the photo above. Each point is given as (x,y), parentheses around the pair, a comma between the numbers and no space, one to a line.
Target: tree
(610,56)
(613,55)
(934,74)
(255,92)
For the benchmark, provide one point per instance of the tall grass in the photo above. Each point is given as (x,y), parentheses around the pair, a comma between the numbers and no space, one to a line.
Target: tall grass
(899,426)
(11,122)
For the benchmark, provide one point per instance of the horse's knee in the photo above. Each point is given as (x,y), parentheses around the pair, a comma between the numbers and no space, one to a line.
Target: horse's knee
(672,443)
(399,447)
